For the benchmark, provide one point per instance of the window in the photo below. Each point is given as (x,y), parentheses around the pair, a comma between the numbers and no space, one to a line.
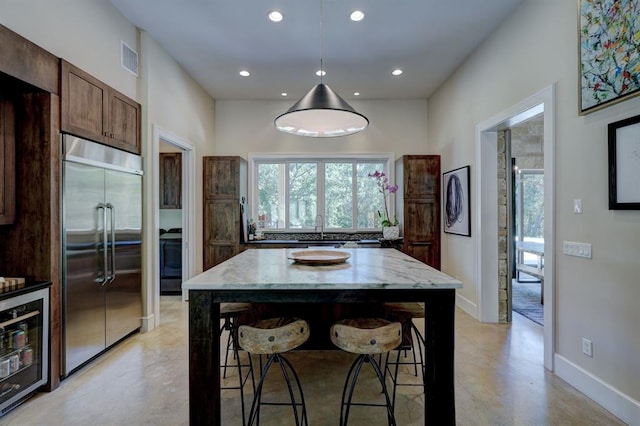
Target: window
(294,192)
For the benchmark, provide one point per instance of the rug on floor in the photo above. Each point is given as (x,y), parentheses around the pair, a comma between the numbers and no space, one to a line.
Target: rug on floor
(526,301)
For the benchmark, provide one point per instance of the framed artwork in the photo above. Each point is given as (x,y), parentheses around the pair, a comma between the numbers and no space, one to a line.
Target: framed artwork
(457,201)
(608,50)
(624,164)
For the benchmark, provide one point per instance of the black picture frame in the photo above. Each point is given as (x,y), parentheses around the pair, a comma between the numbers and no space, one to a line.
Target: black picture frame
(624,164)
(456,211)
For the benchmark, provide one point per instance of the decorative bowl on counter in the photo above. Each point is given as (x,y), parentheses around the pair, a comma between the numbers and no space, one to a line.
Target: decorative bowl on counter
(319,257)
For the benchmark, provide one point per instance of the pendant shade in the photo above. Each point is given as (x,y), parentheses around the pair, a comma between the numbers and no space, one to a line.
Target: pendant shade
(321,113)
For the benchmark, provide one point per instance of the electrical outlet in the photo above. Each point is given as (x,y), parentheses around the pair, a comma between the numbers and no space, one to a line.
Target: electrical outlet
(587,347)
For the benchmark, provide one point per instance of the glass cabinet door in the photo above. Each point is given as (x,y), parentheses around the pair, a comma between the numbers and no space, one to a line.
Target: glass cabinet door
(23,345)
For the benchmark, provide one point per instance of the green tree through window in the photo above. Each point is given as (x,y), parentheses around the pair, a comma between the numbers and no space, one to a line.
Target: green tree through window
(291,193)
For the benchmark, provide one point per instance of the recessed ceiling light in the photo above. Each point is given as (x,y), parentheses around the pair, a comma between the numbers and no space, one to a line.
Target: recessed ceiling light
(284,93)
(356,94)
(357,15)
(321,73)
(244,73)
(396,72)
(275,16)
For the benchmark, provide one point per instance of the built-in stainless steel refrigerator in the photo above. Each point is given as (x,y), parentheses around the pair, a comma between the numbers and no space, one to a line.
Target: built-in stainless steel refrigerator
(101,248)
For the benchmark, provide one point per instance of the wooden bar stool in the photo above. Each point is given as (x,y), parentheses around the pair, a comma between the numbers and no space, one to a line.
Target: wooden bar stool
(272,337)
(230,313)
(405,314)
(365,337)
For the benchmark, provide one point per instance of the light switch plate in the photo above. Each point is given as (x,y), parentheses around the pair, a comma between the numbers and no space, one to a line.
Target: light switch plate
(577,206)
(573,248)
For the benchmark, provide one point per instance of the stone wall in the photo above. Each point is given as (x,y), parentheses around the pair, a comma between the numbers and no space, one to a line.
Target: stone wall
(503,173)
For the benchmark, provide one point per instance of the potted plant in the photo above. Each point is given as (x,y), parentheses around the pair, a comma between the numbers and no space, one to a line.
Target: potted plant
(390,229)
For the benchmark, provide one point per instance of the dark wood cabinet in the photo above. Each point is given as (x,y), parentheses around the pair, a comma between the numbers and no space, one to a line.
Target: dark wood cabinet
(224,187)
(93,110)
(418,206)
(7,162)
(171,180)
(30,78)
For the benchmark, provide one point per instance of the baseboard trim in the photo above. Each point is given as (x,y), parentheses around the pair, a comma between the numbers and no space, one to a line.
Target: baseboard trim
(467,305)
(619,404)
(148,324)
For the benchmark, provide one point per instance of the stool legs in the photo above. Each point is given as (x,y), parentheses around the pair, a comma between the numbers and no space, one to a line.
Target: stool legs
(285,368)
(350,384)
(415,339)
(233,346)
(273,337)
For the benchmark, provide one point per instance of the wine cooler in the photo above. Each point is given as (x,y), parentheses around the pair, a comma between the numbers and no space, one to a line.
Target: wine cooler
(24,344)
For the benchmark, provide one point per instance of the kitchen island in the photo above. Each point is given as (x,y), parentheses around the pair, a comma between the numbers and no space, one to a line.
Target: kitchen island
(368,276)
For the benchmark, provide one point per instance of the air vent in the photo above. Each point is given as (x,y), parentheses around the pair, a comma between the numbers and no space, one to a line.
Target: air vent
(129,58)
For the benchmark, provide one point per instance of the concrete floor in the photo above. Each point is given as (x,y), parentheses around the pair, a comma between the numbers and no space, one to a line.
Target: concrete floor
(500,380)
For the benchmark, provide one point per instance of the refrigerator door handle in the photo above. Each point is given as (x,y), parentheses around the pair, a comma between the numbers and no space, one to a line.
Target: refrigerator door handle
(112,274)
(103,280)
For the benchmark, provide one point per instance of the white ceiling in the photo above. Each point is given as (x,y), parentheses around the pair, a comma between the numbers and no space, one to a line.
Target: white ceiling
(214,39)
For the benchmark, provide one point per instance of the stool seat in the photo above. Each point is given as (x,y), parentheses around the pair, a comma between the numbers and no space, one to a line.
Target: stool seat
(414,309)
(273,336)
(233,309)
(366,335)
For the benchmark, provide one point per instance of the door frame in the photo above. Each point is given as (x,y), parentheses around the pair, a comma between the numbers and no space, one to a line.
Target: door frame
(487,209)
(188,211)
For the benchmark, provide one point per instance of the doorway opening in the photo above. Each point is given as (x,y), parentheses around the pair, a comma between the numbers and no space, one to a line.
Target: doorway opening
(492,266)
(522,257)
(170,235)
(173,259)
(527,224)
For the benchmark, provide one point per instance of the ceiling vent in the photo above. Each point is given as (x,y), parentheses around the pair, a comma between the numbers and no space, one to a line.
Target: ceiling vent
(129,58)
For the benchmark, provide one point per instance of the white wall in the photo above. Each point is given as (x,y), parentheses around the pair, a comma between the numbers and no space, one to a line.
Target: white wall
(176,103)
(85,33)
(88,34)
(595,298)
(398,126)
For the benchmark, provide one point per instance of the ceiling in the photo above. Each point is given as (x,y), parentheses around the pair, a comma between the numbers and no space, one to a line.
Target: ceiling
(215,39)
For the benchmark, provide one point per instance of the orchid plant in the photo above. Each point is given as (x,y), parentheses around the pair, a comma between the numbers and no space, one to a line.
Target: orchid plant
(382,182)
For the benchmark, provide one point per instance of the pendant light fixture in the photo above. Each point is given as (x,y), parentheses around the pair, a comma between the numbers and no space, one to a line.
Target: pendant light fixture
(321,113)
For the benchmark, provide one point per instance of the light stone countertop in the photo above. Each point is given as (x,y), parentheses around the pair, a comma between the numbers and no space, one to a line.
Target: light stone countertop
(371,268)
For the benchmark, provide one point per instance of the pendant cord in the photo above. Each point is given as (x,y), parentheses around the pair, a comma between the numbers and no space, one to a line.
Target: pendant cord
(321,42)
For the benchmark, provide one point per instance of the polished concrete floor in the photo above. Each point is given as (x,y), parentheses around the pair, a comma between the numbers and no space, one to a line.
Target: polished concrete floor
(499,380)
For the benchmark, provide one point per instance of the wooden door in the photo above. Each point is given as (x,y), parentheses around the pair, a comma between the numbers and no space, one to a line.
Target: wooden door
(171,180)
(84,103)
(123,122)
(419,203)
(221,177)
(221,226)
(422,237)
(421,176)
(7,162)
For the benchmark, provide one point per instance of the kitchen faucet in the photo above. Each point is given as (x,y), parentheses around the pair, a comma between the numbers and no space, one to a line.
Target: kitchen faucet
(321,226)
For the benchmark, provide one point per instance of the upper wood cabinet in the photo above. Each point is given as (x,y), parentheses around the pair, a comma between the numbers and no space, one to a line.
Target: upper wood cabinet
(7,163)
(171,180)
(418,206)
(93,110)
(225,177)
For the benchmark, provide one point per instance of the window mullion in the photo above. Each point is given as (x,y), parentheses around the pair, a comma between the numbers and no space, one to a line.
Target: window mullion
(287,195)
(320,194)
(354,195)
